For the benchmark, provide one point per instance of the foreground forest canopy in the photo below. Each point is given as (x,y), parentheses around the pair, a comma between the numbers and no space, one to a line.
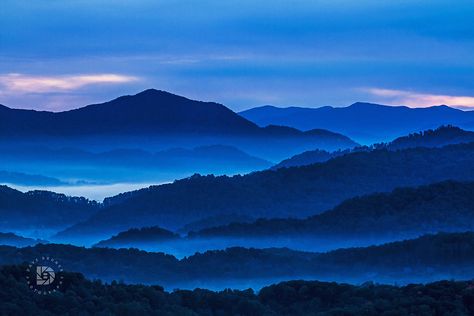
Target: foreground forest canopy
(425,259)
(81,296)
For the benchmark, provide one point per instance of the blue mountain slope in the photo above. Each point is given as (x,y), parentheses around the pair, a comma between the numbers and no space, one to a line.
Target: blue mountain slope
(151,111)
(158,120)
(442,136)
(286,192)
(365,122)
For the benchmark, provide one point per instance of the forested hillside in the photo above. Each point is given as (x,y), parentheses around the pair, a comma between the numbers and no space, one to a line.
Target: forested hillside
(445,206)
(286,192)
(428,258)
(81,296)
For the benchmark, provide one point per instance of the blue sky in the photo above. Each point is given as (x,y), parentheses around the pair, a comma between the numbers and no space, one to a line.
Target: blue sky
(58,55)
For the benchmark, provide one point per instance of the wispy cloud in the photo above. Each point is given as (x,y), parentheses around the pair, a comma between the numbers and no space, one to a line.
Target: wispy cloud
(415,99)
(21,83)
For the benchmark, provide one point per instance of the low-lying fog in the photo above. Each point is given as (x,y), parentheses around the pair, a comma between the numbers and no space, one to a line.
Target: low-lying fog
(95,192)
(187,247)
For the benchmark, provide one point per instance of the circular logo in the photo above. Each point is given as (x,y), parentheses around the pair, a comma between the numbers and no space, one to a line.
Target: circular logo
(44,275)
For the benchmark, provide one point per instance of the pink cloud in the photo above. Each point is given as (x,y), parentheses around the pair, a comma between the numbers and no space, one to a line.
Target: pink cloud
(414,99)
(15,83)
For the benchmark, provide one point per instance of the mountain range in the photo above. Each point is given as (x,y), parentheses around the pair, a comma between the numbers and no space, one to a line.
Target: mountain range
(150,112)
(367,123)
(11,239)
(136,236)
(286,192)
(157,120)
(27,179)
(289,298)
(41,209)
(442,136)
(375,218)
(427,258)
(404,212)
(128,165)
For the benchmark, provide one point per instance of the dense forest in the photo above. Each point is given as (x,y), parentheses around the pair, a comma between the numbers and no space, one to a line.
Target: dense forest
(42,209)
(153,234)
(79,296)
(213,221)
(426,258)
(298,191)
(445,206)
(441,136)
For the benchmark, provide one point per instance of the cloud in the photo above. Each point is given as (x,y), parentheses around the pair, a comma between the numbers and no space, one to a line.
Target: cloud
(414,99)
(20,83)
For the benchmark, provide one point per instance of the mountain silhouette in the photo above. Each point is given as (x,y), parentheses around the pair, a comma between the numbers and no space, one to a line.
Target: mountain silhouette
(404,212)
(41,209)
(11,239)
(73,165)
(286,192)
(442,136)
(150,111)
(155,119)
(27,179)
(365,122)
(135,236)
(430,257)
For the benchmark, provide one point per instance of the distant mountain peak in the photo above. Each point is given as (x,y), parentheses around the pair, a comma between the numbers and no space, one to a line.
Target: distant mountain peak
(374,106)
(146,99)
(156,93)
(359,104)
(365,122)
(153,91)
(161,118)
(444,107)
(148,112)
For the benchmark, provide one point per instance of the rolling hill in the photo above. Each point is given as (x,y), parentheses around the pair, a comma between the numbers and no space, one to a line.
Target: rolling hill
(313,156)
(286,192)
(402,213)
(288,298)
(41,209)
(135,236)
(128,165)
(20,178)
(11,239)
(428,258)
(442,136)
